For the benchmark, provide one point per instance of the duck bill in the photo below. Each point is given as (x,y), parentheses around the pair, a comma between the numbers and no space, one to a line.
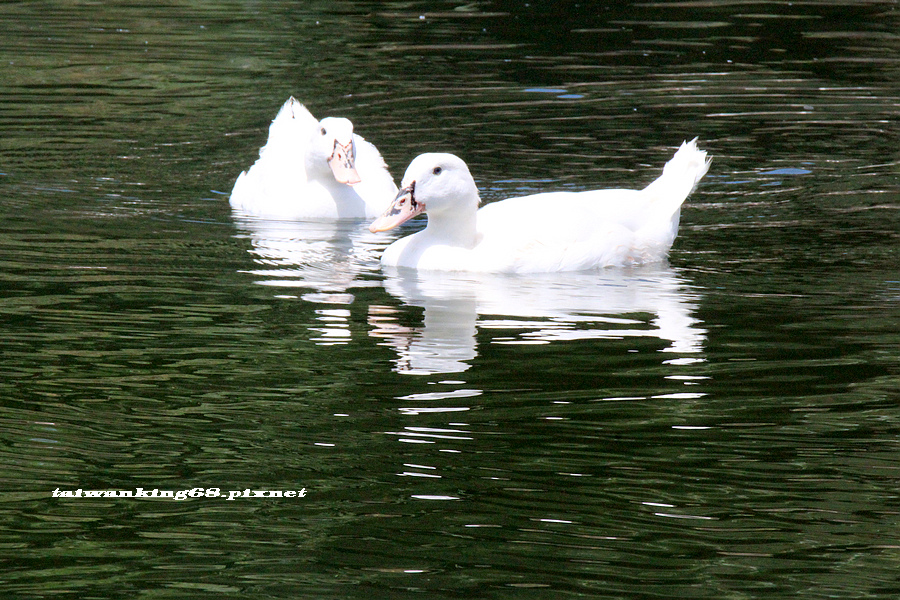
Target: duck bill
(342,164)
(402,209)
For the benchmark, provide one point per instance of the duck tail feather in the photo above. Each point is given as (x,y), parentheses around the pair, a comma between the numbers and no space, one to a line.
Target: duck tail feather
(681,174)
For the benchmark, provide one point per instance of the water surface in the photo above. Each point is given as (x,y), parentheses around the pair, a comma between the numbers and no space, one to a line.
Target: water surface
(720,426)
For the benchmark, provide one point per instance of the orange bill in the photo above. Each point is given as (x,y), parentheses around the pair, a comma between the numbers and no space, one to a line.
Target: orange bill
(402,209)
(342,163)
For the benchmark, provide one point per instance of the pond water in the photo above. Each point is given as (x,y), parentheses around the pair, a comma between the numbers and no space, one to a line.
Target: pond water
(724,425)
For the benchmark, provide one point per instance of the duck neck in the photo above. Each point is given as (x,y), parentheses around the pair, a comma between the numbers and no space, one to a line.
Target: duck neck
(458,228)
(317,169)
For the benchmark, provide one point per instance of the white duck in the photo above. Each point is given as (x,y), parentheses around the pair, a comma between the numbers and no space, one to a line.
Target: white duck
(549,232)
(312,169)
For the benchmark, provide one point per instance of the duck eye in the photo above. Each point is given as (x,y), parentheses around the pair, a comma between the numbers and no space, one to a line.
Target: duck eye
(323,131)
(437,170)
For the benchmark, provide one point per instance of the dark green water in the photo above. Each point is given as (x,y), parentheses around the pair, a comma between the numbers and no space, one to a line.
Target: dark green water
(723,426)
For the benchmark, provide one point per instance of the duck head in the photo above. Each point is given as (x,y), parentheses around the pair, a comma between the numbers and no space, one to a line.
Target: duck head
(440,184)
(332,148)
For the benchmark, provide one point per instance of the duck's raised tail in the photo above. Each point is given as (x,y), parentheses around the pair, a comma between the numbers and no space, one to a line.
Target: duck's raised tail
(680,175)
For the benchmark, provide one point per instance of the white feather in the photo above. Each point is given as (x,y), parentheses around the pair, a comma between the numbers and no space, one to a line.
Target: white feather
(548,232)
(290,180)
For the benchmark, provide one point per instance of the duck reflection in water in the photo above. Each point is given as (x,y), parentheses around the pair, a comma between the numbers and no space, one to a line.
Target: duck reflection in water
(544,308)
(318,261)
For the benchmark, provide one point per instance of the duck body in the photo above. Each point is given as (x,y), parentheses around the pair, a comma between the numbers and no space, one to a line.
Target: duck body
(311,169)
(547,232)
